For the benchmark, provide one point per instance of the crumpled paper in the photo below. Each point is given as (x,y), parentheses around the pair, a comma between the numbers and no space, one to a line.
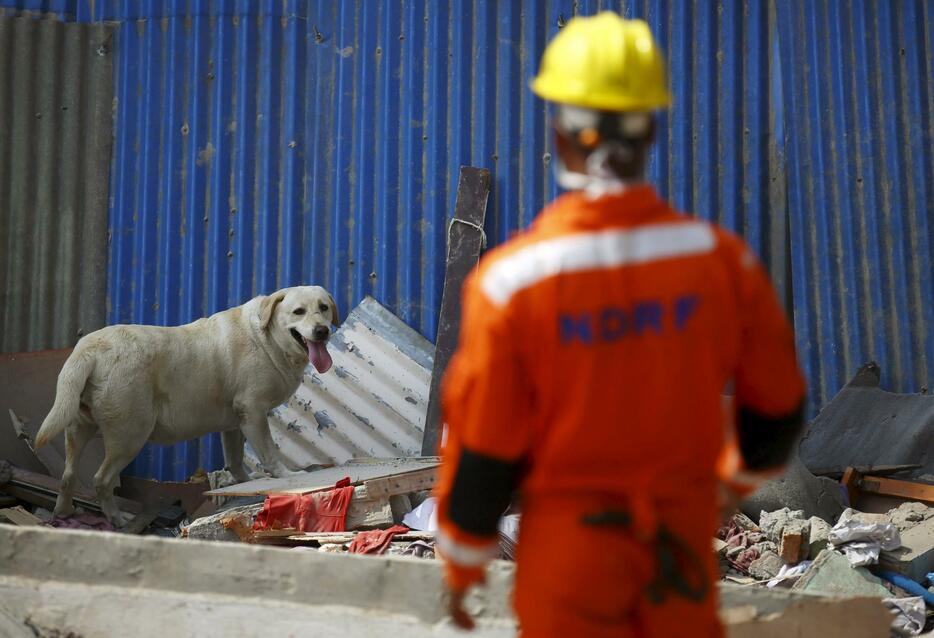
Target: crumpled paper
(424,517)
(789,573)
(909,615)
(862,541)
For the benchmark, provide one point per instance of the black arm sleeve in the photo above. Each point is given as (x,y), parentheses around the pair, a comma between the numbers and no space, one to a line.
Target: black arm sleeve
(767,442)
(481,491)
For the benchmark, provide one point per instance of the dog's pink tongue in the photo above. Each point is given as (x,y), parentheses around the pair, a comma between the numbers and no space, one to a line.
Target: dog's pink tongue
(319,356)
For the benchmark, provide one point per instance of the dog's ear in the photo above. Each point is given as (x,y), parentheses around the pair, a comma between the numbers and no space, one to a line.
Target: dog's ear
(268,308)
(335,313)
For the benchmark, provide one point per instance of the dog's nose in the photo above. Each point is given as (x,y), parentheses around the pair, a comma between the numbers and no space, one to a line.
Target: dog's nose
(321,333)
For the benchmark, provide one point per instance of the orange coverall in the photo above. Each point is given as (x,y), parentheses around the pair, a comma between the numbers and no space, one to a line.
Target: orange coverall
(593,351)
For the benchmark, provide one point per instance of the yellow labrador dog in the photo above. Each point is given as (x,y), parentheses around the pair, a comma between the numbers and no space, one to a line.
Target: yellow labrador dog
(165,385)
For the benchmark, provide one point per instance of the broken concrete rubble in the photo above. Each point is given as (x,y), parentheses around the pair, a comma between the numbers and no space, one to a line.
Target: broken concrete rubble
(766,566)
(818,536)
(831,574)
(773,524)
(222,526)
(909,514)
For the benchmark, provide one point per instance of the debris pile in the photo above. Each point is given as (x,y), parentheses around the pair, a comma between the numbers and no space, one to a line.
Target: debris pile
(378,506)
(885,555)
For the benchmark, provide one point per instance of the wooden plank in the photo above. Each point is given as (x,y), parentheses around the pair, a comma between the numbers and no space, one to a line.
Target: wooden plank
(19,516)
(465,242)
(319,480)
(874,470)
(901,489)
(401,483)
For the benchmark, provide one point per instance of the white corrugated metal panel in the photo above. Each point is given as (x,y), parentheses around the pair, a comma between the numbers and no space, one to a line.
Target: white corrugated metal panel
(371,403)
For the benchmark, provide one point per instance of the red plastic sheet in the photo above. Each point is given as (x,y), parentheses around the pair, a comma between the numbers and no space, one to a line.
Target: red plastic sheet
(376,541)
(317,512)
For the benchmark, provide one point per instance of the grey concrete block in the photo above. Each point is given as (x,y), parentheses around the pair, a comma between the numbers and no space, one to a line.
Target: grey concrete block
(819,536)
(212,528)
(915,558)
(766,566)
(832,575)
(773,523)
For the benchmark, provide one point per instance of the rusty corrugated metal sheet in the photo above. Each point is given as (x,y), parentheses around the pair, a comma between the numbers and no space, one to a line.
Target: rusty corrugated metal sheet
(859,140)
(56,91)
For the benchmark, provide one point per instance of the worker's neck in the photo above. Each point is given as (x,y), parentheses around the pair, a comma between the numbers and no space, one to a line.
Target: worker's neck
(596,187)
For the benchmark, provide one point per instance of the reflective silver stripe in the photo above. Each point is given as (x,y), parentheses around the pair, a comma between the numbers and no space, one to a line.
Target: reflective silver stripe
(593,251)
(466,555)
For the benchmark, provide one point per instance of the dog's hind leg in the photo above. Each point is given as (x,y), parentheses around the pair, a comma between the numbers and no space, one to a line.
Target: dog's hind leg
(121,446)
(77,435)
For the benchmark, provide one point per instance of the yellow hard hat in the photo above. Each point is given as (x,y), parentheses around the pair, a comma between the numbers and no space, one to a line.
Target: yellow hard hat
(604,62)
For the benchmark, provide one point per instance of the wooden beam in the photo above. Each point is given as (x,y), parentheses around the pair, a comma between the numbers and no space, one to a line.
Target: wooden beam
(465,242)
(856,482)
(19,516)
(401,483)
(900,489)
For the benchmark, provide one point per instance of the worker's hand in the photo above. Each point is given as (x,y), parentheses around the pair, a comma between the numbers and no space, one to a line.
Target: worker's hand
(456,608)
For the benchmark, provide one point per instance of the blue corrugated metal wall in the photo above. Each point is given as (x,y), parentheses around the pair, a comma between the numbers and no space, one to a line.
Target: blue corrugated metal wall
(859,134)
(264,144)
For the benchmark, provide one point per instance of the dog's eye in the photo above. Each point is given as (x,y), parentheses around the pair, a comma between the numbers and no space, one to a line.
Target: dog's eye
(323,307)
(298,311)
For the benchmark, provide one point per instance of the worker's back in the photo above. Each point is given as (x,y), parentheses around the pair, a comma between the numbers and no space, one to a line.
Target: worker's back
(624,321)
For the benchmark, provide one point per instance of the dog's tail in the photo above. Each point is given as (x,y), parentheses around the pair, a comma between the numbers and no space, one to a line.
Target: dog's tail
(71,381)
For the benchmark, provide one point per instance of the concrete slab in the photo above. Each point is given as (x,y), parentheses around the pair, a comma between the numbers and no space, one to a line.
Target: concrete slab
(255,575)
(915,558)
(831,574)
(99,610)
(101,584)
(767,615)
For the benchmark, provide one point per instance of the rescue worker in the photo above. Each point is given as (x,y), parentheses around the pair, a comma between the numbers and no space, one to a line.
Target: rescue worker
(593,353)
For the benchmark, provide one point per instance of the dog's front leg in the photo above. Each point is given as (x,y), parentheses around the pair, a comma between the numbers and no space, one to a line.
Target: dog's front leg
(255,428)
(232,441)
